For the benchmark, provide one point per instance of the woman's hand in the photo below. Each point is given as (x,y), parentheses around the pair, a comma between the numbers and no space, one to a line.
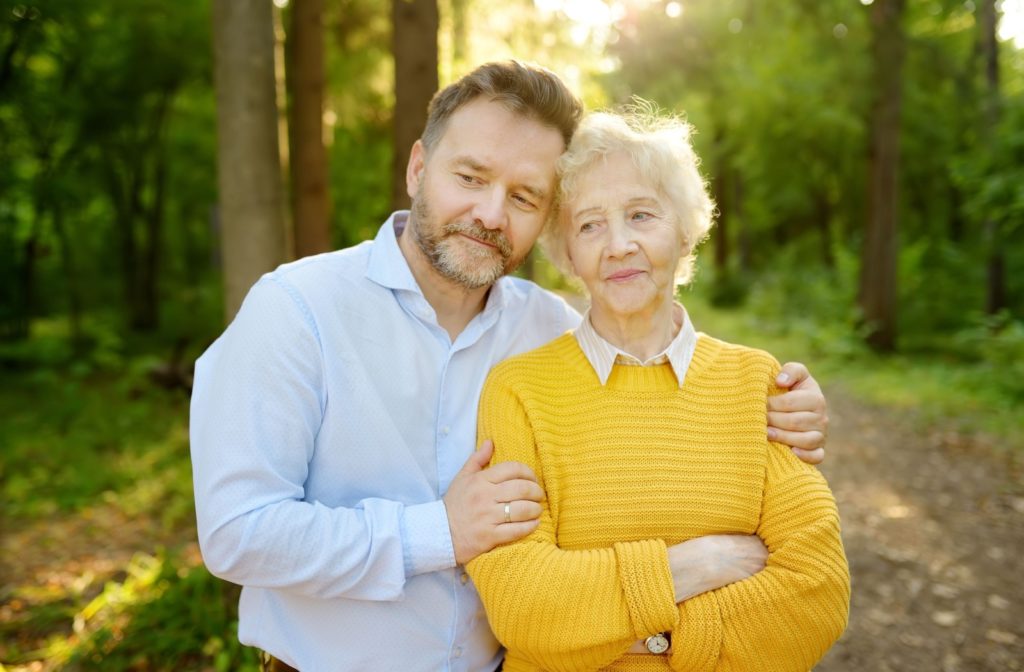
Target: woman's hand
(710,562)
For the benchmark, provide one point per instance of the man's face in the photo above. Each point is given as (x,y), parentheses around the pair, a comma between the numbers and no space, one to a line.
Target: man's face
(481,197)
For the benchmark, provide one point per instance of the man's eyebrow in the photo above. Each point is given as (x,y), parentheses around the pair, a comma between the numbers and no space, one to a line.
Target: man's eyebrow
(469,162)
(536,192)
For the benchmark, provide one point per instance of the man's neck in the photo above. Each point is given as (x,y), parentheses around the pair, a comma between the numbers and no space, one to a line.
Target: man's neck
(454,304)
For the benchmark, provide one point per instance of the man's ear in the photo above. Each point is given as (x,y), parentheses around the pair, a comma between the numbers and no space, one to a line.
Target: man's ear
(415,168)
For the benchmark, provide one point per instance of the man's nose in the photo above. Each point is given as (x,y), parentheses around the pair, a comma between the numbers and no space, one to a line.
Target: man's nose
(490,210)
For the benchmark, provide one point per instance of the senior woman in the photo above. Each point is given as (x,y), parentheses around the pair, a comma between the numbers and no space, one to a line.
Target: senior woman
(649,440)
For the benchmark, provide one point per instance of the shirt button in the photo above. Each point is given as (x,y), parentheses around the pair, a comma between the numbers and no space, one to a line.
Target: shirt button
(457,652)
(445,430)
(464,578)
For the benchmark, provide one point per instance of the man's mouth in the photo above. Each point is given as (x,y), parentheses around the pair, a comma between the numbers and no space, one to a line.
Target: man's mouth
(477,240)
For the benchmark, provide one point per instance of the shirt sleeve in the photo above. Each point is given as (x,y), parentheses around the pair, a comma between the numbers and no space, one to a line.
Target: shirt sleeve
(785,617)
(564,609)
(256,410)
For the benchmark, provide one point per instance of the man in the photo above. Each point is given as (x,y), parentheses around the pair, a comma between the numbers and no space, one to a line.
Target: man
(333,423)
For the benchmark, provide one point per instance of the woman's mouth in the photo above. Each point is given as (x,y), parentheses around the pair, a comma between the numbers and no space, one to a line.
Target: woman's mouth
(624,275)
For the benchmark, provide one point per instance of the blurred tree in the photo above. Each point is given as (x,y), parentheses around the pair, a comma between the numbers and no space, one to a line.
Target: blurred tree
(89,94)
(881,244)
(414,44)
(249,175)
(308,159)
(988,43)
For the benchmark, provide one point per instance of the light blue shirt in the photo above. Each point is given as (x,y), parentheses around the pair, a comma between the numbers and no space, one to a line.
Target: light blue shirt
(327,421)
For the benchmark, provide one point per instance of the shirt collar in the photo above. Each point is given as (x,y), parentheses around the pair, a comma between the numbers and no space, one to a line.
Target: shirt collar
(602,355)
(387,265)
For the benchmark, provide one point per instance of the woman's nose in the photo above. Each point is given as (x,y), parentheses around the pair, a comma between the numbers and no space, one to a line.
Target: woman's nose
(620,240)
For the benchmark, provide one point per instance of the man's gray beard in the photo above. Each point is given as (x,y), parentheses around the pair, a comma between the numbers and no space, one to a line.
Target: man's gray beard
(451,263)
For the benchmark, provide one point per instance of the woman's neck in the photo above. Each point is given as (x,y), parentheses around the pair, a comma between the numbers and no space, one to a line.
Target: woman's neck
(642,334)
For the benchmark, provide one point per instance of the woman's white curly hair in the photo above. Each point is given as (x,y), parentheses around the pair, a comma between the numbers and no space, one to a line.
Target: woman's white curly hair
(659,146)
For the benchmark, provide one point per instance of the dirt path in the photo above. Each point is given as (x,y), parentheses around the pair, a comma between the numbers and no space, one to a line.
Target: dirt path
(934,531)
(933,525)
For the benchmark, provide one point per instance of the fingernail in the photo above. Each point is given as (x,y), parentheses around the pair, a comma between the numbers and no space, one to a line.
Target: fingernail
(772,434)
(782,379)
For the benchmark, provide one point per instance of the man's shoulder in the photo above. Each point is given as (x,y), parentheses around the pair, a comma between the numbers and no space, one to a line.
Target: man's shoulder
(525,294)
(315,268)
(330,276)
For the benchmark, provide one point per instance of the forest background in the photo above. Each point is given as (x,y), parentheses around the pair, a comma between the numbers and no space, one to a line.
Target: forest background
(867,159)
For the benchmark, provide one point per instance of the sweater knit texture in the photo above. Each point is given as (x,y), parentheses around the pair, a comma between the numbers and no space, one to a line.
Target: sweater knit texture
(631,468)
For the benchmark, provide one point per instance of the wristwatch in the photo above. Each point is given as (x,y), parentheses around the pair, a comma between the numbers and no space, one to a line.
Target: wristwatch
(657,643)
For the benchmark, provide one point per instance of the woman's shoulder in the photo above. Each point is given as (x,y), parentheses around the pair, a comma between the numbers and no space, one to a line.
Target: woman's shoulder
(540,363)
(714,354)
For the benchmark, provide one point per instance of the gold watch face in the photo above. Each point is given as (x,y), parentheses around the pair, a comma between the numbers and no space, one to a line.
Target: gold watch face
(657,643)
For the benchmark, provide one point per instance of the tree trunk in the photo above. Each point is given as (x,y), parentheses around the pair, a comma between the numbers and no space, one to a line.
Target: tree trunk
(880,252)
(460,41)
(995,294)
(71,280)
(823,220)
(310,196)
(146,314)
(414,44)
(23,321)
(248,164)
(123,186)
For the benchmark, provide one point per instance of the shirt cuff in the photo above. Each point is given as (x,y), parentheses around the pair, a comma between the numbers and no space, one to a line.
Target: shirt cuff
(426,539)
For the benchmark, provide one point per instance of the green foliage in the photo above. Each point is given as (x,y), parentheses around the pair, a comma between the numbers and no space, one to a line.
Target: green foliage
(89,437)
(102,445)
(166,617)
(108,112)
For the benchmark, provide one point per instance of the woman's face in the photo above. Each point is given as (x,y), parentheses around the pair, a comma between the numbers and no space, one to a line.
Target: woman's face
(622,239)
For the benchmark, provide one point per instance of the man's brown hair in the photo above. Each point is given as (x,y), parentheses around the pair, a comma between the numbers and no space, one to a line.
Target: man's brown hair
(529,90)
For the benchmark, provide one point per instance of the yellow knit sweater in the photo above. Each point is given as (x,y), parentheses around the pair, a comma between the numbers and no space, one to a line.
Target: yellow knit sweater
(637,465)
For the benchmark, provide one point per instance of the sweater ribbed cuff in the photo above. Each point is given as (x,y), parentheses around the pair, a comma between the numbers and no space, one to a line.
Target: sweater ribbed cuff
(647,583)
(697,639)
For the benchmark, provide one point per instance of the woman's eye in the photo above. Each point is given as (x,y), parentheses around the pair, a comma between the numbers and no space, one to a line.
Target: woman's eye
(641,216)
(586,227)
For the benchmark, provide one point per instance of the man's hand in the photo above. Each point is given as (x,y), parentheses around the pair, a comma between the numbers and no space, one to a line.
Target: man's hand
(799,418)
(488,506)
(711,562)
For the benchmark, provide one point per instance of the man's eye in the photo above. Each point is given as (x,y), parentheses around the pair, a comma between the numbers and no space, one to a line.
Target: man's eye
(466,179)
(523,201)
